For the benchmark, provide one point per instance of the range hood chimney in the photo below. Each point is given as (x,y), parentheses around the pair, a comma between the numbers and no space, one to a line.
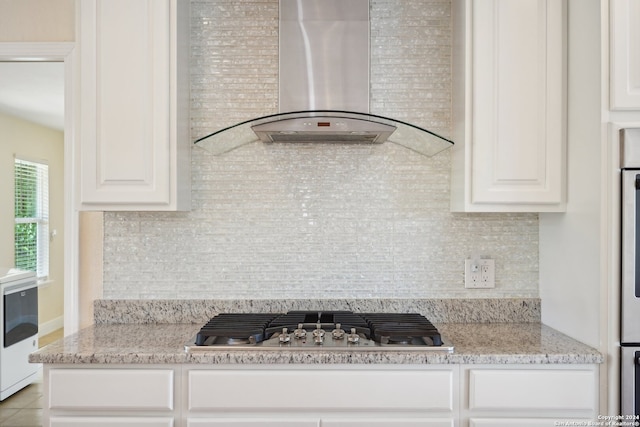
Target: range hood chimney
(324,85)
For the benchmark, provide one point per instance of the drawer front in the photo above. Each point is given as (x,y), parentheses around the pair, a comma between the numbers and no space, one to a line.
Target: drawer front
(111,389)
(254,422)
(391,422)
(532,389)
(327,390)
(522,422)
(110,422)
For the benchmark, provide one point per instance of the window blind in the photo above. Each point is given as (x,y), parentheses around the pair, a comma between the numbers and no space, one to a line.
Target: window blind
(32,217)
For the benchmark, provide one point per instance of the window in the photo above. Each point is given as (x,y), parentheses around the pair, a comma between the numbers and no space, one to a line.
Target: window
(32,217)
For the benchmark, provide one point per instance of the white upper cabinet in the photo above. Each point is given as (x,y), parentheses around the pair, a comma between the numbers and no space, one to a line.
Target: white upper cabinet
(509,106)
(134,147)
(625,55)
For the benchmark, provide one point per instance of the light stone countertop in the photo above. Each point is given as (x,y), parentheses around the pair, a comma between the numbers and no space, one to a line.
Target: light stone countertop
(475,343)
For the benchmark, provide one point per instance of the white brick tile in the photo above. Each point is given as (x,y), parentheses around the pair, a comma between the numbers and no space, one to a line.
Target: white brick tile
(314,221)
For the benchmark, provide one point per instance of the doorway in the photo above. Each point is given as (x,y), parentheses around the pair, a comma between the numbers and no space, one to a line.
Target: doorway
(32,140)
(62,53)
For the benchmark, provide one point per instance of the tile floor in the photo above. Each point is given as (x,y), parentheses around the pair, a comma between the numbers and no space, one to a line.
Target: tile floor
(24,409)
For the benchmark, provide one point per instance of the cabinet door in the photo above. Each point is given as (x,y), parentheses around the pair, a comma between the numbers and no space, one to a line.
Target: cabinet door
(111,389)
(288,422)
(253,422)
(525,422)
(252,390)
(625,55)
(510,117)
(133,145)
(389,422)
(110,421)
(545,390)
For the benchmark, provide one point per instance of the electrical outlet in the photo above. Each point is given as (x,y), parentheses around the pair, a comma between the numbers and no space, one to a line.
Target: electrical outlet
(479,273)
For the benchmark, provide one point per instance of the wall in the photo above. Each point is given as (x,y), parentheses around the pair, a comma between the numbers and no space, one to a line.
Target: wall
(37,20)
(579,264)
(90,261)
(31,141)
(317,220)
(571,289)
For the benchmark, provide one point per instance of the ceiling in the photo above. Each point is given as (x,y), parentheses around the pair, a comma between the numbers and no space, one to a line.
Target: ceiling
(33,91)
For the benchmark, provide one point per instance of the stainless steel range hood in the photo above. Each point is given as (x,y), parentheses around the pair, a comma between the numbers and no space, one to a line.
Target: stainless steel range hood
(324,86)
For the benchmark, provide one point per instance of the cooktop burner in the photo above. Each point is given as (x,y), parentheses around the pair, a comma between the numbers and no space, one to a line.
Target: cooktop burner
(319,330)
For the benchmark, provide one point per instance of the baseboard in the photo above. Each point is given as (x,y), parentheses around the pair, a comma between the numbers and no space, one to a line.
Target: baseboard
(52,325)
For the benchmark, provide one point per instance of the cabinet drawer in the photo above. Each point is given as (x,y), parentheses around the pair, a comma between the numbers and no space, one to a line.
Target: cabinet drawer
(111,389)
(254,422)
(532,389)
(390,422)
(327,390)
(524,422)
(110,421)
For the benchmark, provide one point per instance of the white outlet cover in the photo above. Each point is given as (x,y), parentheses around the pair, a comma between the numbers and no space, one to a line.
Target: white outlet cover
(479,273)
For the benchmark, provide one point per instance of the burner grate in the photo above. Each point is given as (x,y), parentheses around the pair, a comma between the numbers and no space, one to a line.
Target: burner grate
(401,328)
(235,328)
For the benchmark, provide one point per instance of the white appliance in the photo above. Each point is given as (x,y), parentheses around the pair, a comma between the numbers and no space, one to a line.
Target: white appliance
(19,335)
(630,276)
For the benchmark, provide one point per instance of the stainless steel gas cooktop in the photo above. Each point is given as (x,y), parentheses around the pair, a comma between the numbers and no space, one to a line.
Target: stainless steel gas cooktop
(319,330)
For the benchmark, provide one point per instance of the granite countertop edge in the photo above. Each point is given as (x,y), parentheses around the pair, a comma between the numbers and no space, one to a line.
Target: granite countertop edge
(475,343)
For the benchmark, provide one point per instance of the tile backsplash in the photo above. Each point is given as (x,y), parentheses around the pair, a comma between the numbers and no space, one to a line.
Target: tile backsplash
(317,220)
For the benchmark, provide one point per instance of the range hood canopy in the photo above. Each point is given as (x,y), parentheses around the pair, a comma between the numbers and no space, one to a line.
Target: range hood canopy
(324,86)
(325,126)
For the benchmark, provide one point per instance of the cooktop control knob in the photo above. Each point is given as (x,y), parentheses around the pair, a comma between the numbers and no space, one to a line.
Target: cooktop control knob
(284,336)
(300,333)
(338,333)
(318,334)
(318,331)
(353,337)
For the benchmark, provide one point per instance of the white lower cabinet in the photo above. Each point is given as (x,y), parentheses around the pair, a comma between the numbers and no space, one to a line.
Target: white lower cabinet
(321,390)
(529,389)
(110,421)
(529,395)
(103,396)
(255,422)
(125,389)
(322,397)
(319,395)
(389,422)
(522,422)
(321,422)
